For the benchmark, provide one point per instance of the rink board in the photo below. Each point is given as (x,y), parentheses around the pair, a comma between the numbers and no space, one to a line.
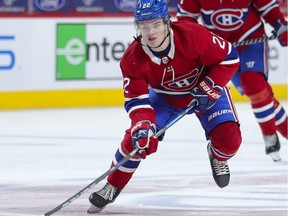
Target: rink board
(88,98)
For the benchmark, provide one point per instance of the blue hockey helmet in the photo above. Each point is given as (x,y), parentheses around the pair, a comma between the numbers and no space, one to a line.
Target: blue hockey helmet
(150,9)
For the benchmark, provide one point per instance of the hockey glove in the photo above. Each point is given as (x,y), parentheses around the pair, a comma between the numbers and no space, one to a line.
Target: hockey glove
(143,138)
(206,94)
(281,30)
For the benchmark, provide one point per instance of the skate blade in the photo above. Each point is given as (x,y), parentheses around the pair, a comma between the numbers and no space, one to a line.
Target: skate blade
(93,209)
(275,156)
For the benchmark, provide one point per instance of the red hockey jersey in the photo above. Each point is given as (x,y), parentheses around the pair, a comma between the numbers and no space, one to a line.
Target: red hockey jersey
(234,20)
(194,53)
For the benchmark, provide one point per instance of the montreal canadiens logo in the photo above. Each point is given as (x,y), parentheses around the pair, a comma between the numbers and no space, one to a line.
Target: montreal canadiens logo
(183,83)
(227,19)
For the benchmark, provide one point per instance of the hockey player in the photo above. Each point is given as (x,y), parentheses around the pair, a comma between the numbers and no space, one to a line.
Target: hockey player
(238,20)
(167,67)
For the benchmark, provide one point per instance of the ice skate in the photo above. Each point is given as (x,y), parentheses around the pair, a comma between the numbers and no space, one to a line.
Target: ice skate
(272,147)
(220,169)
(102,197)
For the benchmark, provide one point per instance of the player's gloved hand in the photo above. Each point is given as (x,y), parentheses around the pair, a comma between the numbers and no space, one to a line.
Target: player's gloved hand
(143,138)
(206,94)
(281,30)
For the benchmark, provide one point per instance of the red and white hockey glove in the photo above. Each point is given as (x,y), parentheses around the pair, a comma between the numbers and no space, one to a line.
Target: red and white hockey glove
(206,94)
(281,30)
(143,138)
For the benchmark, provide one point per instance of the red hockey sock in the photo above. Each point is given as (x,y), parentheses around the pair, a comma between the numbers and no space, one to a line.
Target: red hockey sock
(282,128)
(281,119)
(119,179)
(123,174)
(260,95)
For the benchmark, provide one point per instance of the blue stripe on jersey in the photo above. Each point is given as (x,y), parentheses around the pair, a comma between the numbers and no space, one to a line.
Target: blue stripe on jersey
(136,102)
(130,164)
(268,7)
(233,55)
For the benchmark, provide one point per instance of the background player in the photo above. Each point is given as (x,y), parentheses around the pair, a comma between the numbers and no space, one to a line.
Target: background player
(167,68)
(237,20)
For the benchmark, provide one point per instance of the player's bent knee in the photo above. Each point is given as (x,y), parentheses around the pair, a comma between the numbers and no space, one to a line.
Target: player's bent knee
(226,137)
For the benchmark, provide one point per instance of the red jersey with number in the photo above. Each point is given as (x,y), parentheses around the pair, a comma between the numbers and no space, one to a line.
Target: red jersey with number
(194,53)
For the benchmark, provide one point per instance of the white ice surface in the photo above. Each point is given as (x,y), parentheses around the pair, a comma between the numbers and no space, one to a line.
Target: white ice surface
(46,156)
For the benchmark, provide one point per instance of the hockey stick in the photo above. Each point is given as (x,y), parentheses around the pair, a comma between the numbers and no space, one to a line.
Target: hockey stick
(116,166)
(255,40)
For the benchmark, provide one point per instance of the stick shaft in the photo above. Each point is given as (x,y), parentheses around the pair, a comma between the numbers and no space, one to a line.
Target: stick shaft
(96,181)
(255,40)
(116,166)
